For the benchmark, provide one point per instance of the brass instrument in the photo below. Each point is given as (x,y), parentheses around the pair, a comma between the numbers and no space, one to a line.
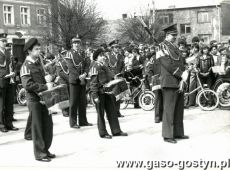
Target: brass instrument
(82,81)
(11,69)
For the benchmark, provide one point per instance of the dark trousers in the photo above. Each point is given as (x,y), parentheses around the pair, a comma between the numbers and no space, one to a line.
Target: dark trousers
(42,129)
(192,86)
(107,104)
(117,106)
(77,104)
(158,105)
(28,132)
(173,113)
(6,106)
(207,80)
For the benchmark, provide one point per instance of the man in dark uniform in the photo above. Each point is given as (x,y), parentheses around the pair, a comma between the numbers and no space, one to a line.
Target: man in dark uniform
(63,74)
(117,66)
(157,90)
(100,75)
(6,104)
(78,64)
(32,76)
(172,78)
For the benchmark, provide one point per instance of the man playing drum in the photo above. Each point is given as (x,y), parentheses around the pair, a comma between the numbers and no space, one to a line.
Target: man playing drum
(32,76)
(100,75)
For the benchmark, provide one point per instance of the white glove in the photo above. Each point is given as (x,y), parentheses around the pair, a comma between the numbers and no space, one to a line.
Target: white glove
(184,75)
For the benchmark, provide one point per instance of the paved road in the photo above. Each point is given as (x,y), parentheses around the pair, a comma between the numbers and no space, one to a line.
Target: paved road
(83,149)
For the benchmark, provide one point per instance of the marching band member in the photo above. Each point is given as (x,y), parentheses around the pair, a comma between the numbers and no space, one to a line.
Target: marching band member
(117,66)
(100,75)
(172,79)
(78,64)
(6,104)
(63,74)
(32,76)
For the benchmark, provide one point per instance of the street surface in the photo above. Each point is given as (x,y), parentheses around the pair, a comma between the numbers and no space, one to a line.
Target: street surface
(209,133)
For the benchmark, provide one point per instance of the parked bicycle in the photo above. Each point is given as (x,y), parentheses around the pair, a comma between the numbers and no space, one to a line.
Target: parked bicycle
(21,95)
(206,98)
(145,97)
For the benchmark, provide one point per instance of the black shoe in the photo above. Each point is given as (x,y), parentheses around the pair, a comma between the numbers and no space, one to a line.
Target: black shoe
(87,124)
(121,134)
(157,121)
(45,159)
(76,127)
(4,130)
(65,114)
(12,128)
(182,137)
(120,115)
(50,155)
(170,140)
(186,107)
(28,138)
(107,136)
(14,120)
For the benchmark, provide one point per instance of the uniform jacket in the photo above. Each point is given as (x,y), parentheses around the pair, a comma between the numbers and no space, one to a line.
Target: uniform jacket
(116,63)
(33,79)
(100,75)
(172,65)
(78,63)
(4,68)
(62,70)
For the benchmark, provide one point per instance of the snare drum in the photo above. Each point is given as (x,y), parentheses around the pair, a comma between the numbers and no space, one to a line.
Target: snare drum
(57,98)
(118,88)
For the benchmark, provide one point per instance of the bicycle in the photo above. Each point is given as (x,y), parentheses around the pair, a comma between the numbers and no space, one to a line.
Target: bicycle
(21,95)
(206,98)
(146,98)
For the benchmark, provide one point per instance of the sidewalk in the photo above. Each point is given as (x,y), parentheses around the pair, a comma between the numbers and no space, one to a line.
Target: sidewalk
(83,149)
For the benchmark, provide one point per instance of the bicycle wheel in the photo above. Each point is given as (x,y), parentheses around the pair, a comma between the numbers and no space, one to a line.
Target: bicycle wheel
(124,104)
(208,100)
(223,92)
(147,100)
(21,97)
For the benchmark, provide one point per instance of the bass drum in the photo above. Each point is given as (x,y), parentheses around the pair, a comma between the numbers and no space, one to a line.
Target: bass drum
(223,92)
(147,100)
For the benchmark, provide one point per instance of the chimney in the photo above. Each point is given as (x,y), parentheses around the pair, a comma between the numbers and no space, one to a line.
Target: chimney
(124,16)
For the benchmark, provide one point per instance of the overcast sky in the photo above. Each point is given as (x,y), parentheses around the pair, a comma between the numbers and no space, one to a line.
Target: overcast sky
(113,9)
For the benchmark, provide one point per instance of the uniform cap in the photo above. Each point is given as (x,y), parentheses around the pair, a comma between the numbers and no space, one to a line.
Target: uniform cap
(3,36)
(97,53)
(30,43)
(76,39)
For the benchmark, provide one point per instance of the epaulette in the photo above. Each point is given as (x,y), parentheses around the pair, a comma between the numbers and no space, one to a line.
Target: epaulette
(93,71)
(68,55)
(25,70)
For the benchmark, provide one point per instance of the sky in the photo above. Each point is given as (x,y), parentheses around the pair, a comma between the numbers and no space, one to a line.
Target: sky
(113,9)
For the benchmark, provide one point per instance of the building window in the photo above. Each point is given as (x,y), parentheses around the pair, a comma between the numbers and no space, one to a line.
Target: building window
(205,37)
(164,19)
(203,17)
(185,28)
(25,16)
(41,17)
(8,14)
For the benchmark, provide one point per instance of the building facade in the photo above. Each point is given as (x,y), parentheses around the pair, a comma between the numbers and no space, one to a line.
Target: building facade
(207,22)
(26,16)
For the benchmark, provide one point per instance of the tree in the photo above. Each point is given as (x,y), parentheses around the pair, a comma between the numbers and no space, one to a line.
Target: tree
(71,17)
(131,29)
